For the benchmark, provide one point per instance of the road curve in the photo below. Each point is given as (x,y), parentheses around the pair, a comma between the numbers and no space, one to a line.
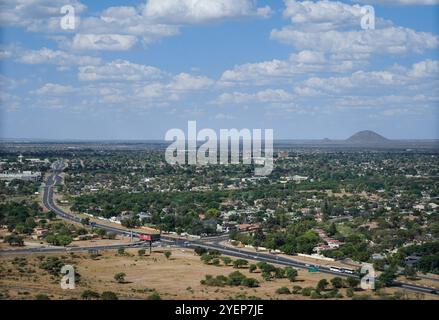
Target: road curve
(54,179)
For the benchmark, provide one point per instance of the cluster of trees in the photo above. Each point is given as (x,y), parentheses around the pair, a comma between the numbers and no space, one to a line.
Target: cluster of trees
(297,238)
(324,289)
(267,270)
(93,295)
(62,234)
(355,247)
(235,278)
(14,240)
(19,187)
(428,253)
(20,216)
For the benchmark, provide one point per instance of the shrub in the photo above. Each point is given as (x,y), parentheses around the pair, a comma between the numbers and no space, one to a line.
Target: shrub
(291,273)
(240,263)
(200,251)
(349,292)
(307,291)
(215,262)
(90,295)
(218,281)
(226,260)
(42,296)
(109,295)
(235,278)
(154,296)
(337,282)
(283,290)
(250,282)
(120,277)
(297,289)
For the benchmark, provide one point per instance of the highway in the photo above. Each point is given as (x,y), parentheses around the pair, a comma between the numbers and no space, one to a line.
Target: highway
(208,243)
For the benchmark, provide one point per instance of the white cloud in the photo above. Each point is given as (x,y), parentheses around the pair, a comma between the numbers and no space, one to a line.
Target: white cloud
(264,96)
(391,40)
(200,11)
(400,2)
(119,70)
(335,27)
(120,28)
(54,89)
(301,63)
(56,57)
(322,15)
(35,14)
(425,69)
(223,116)
(185,81)
(102,42)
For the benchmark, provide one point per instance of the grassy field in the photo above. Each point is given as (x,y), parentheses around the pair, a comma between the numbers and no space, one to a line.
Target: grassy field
(175,278)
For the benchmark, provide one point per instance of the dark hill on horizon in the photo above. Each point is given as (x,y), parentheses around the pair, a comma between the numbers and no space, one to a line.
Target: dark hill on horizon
(367,136)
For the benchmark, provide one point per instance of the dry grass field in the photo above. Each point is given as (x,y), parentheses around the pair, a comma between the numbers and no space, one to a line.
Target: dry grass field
(175,278)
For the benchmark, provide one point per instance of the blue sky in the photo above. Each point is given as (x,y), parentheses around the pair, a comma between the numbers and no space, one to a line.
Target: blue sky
(134,69)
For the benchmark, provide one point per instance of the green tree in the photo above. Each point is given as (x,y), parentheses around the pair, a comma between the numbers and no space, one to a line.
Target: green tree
(154,296)
(283,290)
(90,295)
(238,263)
(120,277)
(226,260)
(352,282)
(252,268)
(167,254)
(291,273)
(250,282)
(64,240)
(322,284)
(337,282)
(42,296)
(235,278)
(14,240)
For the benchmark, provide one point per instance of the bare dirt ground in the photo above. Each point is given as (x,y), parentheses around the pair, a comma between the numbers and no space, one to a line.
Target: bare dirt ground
(175,278)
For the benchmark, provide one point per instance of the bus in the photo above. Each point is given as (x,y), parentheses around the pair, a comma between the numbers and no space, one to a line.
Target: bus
(335,269)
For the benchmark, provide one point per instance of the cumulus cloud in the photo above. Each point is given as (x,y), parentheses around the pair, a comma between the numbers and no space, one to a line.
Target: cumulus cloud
(264,96)
(121,27)
(335,27)
(392,40)
(185,81)
(200,11)
(34,14)
(420,77)
(56,57)
(119,70)
(300,63)
(102,42)
(400,2)
(54,89)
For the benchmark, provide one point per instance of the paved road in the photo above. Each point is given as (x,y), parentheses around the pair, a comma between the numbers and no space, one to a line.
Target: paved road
(208,243)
